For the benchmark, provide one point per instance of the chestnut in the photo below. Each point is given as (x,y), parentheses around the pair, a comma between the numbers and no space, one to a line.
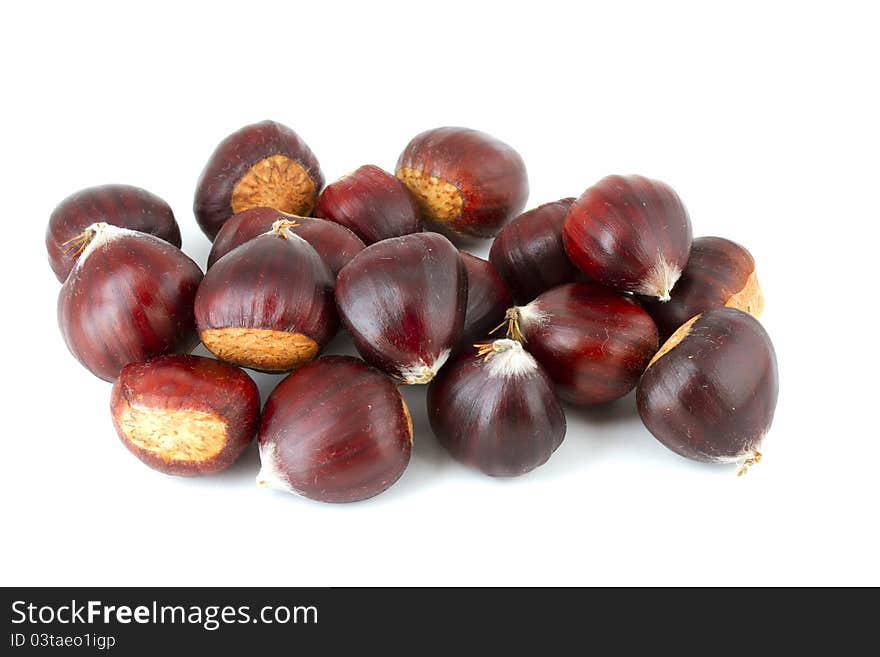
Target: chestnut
(718,273)
(261,165)
(466,182)
(124,206)
(403,301)
(594,342)
(529,252)
(334,243)
(710,392)
(336,430)
(185,415)
(371,203)
(630,233)
(493,407)
(487,301)
(267,304)
(128,298)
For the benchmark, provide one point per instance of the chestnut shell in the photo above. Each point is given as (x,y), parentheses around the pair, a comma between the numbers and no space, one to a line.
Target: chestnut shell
(234,158)
(118,205)
(719,273)
(594,342)
(487,301)
(710,393)
(336,430)
(129,298)
(275,282)
(177,384)
(334,243)
(467,182)
(529,252)
(501,417)
(630,233)
(403,301)
(371,203)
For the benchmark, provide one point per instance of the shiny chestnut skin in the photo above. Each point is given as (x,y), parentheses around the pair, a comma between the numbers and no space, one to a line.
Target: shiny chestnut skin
(185,415)
(265,164)
(493,407)
(467,183)
(630,233)
(529,252)
(334,243)
(592,341)
(403,301)
(129,298)
(118,205)
(487,300)
(710,393)
(267,304)
(336,430)
(719,273)
(371,203)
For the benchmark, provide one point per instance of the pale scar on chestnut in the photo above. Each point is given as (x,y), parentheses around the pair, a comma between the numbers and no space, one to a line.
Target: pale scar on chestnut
(440,201)
(277,182)
(183,435)
(264,349)
(749,299)
(679,335)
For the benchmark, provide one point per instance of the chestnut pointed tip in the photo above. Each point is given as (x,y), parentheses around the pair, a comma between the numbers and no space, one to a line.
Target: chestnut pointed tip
(421,373)
(269,475)
(660,280)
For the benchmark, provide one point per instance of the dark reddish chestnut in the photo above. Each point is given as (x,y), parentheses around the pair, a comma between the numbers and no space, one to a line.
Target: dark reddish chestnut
(493,407)
(334,243)
(336,430)
(128,298)
(261,165)
(594,342)
(718,273)
(488,299)
(185,415)
(118,205)
(630,233)
(529,253)
(710,392)
(267,304)
(371,203)
(403,301)
(466,182)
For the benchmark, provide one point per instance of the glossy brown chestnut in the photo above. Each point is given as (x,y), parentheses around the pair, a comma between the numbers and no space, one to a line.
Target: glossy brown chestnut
(185,415)
(118,205)
(466,182)
(630,233)
(334,243)
(529,253)
(594,342)
(129,298)
(336,430)
(261,165)
(267,304)
(403,301)
(710,392)
(488,299)
(718,273)
(494,407)
(372,203)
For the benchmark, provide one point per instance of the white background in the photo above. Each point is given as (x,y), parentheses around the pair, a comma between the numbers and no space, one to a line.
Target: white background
(763,116)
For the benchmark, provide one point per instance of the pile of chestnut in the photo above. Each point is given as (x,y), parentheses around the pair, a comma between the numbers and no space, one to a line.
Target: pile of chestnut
(597,295)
